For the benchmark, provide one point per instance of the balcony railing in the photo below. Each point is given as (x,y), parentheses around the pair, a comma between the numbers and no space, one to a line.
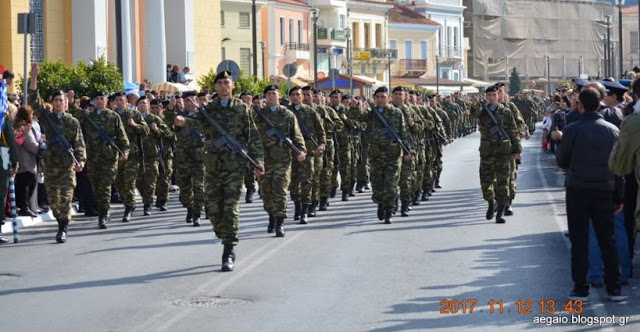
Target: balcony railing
(412,65)
(296,47)
(380,53)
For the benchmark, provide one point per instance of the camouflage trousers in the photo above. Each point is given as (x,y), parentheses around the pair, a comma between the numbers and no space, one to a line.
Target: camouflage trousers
(189,175)
(249,180)
(512,179)
(223,186)
(427,169)
(327,169)
(164,180)
(362,168)
(495,172)
(318,166)
(420,170)
(126,180)
(273,187)
(146,181)
(385,174)
(102,174)
(301,177)
(437,163)
(407,177)
(345,154)
(60,183)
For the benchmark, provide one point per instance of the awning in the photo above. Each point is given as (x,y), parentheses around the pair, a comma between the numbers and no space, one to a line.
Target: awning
(478,83)
(446,90)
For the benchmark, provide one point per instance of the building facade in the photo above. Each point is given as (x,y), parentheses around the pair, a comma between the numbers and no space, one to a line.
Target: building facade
(236,22)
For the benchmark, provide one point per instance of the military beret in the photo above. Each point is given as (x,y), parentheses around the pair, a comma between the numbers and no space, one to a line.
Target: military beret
(413,92)
(294,89)
(492,88)
(307,88)
(382,89)
(399,88)
(345,97)
(335,92)
(222,75)
(318,92)
(500,84)
(178,95)
(271,87)
(431,96)
(111,97)
(245,93)
(165,103)
(188,94)
(257,97)
(156,102)
(141,99)
(57,93)
(118,94)
(202,94)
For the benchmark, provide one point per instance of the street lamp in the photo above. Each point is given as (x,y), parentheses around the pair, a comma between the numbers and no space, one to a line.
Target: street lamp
(437,74)
(607,20)
(254,29)
(349,60)
(263,45)
(580,66)
(620,64)
(314,16)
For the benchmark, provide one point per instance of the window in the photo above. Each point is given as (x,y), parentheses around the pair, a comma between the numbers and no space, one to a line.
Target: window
(245,20)
(408,49)
(456,39)
(245,61)
(222,18)
(633,42)
(378,35)
(300,31)
(224,54)
(367,35)
(291,30)
(424,49)
(449,40)
(393,44)
(343,22)
(282,37)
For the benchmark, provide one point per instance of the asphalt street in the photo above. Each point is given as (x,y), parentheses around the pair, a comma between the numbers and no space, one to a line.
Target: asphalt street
(345,271)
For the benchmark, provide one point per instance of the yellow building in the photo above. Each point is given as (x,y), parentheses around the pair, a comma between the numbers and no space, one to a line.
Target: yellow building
(236,21)
(140,36)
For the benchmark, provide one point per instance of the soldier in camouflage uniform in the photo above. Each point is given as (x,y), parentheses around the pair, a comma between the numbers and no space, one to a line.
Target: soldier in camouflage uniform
(61,179)
(345,147)
(165,150)
(319,162)
(386,156)
(136,129)
(314,139)
(332,127)
(447,125)
(102,157)
(528,108)
(278,157)
(496,153)
(415,125)
(148,177)
(249,178)
(225,172)
(425,156)
(189,159)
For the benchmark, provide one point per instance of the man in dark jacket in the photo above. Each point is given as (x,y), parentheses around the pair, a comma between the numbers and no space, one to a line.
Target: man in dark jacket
(592,193)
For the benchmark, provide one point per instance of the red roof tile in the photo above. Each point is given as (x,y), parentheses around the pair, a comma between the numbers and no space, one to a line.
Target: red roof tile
(402,14)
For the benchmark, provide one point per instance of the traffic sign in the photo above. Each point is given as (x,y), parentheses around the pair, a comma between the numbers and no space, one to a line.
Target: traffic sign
(230,66)
(289,70)
(361,55)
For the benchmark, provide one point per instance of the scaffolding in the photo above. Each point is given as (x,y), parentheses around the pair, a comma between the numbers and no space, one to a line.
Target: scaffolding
(37,37)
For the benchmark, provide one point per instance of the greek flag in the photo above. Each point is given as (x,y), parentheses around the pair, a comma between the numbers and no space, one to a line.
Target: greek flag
(3,103)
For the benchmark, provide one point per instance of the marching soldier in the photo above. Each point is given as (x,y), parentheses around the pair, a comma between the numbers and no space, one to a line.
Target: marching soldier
(189,159)
(249,179)
(333,126)
(386,154)
(278,156)
(136,129)
(319,161)
(165,151)
(425,155)
(150,165)
(310,124)
(496,151)
(65,154)
(528,108)
(447,125)
(225,172)
(345,147)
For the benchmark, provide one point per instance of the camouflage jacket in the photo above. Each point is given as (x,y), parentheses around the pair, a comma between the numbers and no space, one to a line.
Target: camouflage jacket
(491,144)
(446,121)
(190,137)
(170,141)
(380,145)
(111,124)
(306,116)
(151,142)
(522,126)
(56,157)
(135,135)
(285,121)
(331,120)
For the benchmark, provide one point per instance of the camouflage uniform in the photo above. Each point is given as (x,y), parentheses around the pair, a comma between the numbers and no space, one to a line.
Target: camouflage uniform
(345,151)
(333,125)
(128,170)
(522,128)
(278,158)
(224,174)
(164,178)
(408,170)
(147,179)
(447,126)
(102,158)
(496,155)
(61,177)
(528,108)
(189,163)
(425,157)
(385,157)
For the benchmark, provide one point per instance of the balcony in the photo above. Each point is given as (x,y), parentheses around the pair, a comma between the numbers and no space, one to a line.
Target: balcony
(378,53)
(412,65)
(297,51)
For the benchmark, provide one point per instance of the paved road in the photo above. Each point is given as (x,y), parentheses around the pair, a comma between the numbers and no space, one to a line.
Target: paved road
(345,271)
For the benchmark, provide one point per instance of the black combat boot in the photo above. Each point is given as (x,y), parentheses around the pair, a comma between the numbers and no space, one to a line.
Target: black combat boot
(499,219)
(425,195)
(438,184)
(196,219)
(491,209)
(128,211)
(103,219)
(404,209)
(272,224)
(279,226)
(304,208)
(147,210)
(359,187)
(312,209)
(388,219)
(228,258)
(296,212)
(248,197)
(163,205)
(63,228)
(508,211)
(366,186)
(416,198)
(189,216)
(380,212)
(323,203)
(351,194)
(158,202)
(345,196)
(334,190)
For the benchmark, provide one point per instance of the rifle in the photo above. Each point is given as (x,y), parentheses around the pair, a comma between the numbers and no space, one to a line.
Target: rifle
(227,140)
(336,147)
(59,138)
(306,132)
(276,133)
(160,147)
(141,152)
(392,135)
(496,129)
(100,133)
(194,133)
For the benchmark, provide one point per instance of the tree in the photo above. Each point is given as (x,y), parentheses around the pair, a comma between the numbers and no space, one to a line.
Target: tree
(244,83)
(515,83)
